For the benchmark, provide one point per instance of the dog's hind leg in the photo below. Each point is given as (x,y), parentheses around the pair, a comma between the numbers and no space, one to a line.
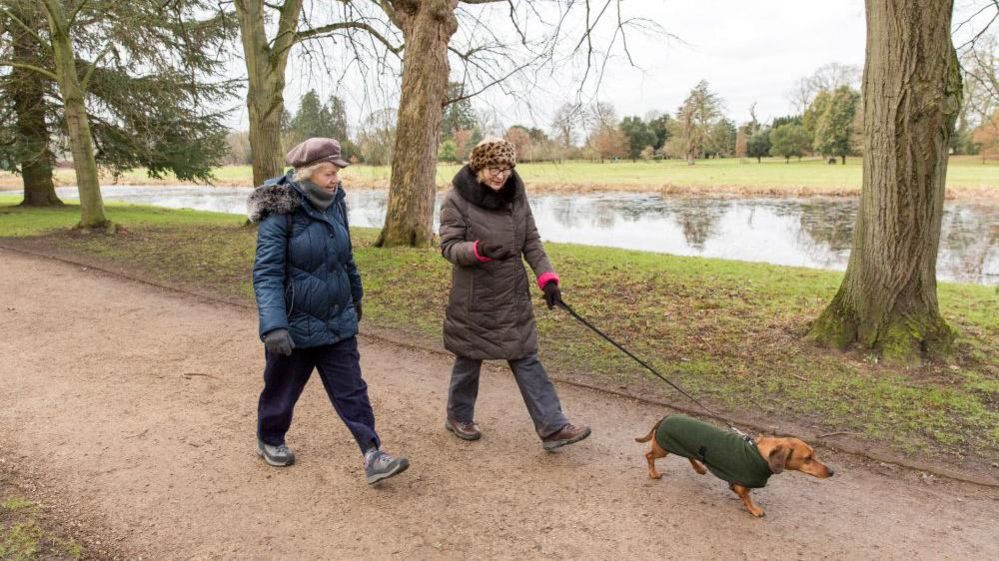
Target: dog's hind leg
(697,466)
(651,456)
(743,493)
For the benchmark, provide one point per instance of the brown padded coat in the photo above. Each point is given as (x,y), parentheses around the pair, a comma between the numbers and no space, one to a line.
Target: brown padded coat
(489,312)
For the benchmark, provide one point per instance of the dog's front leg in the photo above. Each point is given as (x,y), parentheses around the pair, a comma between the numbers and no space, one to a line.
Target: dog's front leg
(697,466)
(743,493)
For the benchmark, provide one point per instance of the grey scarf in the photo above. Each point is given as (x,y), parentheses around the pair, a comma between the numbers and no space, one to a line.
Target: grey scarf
(319,197)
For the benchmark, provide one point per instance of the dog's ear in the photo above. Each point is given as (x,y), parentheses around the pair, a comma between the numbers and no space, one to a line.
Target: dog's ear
(778,458)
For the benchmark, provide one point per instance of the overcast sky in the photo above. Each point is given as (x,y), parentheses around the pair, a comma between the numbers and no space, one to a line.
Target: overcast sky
(747,51)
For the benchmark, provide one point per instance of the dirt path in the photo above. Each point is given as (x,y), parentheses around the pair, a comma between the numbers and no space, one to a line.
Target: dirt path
(132,409)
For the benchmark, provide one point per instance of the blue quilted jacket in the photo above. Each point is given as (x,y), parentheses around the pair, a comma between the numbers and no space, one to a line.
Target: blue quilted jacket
(304,276)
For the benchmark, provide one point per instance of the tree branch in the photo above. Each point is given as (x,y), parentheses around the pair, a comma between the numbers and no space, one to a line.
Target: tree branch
(90,71)
(325,30)
(25,26)
(31,67)
(287,27)
(72,17)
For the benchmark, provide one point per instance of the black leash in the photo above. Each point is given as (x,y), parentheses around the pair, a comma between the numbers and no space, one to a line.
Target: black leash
(592,327)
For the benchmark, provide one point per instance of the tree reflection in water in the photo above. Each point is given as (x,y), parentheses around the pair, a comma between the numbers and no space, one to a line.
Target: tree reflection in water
(813,232)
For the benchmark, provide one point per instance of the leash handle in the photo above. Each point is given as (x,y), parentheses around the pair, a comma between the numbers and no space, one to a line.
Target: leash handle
(593,328)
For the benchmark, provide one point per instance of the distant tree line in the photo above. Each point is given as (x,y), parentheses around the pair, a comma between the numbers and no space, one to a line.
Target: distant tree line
(828,125)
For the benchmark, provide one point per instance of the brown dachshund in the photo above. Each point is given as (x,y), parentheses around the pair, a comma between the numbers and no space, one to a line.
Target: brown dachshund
(746,464)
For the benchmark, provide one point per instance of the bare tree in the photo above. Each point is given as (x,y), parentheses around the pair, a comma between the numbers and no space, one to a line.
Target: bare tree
(566,123)
(267,60)
(801,95)
(888,298)
(700,111)
(980,70)
(834,75)
(600,115)
(828,77)
(487,60)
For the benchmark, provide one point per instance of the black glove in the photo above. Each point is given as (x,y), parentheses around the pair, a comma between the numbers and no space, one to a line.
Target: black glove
(553,295)
(493,250)
(357,309)
(279,341)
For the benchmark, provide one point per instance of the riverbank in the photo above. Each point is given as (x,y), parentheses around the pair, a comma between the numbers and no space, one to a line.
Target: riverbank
(968,178)
(730,332)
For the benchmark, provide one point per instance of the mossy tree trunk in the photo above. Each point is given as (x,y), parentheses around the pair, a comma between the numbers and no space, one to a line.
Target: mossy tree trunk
(911,98)
(427,27)
(266,63)
(34,156)
(72,89)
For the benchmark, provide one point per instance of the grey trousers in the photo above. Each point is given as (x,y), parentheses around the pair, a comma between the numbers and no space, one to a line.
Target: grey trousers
(537,390)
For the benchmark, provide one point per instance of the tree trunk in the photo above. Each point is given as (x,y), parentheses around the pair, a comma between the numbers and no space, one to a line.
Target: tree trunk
(33,136)
(34,156)
(912,94)
(80,140)
(265,69)
(426,27)
(266,106)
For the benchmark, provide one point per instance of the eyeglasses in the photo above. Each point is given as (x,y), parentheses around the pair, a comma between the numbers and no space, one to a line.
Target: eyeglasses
(499,171)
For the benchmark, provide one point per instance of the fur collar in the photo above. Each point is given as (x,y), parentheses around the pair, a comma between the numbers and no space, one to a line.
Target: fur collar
(280,195)
(272,198)
(468,186)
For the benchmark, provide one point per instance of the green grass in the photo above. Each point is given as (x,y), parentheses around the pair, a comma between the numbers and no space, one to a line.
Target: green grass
(966,173)
(16,221)
(26,535)
(729,331)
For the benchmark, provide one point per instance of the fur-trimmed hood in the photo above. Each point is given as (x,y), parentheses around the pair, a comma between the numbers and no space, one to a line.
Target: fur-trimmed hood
(275,196)
(468,186)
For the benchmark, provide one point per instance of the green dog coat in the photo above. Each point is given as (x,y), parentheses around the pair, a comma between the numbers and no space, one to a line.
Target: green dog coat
(727,455)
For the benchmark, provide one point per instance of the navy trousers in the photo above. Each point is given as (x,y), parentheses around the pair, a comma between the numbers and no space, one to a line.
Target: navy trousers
(339,368)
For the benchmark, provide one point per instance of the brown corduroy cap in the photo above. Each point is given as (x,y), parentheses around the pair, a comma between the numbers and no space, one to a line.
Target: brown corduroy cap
(492,151)
(314,151)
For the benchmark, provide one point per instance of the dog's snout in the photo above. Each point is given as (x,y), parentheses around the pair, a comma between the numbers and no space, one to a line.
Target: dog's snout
(831,471)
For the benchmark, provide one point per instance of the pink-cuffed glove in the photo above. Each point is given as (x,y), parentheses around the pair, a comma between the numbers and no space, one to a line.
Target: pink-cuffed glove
(491,251)
(553,296)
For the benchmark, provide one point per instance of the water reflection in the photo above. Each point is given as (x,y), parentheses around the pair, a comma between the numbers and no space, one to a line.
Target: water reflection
(814,232)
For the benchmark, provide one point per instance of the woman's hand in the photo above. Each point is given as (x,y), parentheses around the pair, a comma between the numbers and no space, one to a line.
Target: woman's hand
(553,296)
(494,250)
(279,341)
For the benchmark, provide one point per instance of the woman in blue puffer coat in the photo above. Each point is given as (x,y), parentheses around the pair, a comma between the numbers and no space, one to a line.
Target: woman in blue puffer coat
(309,295)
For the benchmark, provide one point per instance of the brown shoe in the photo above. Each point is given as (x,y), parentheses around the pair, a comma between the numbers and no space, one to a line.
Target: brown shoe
(568,434)
(463,430)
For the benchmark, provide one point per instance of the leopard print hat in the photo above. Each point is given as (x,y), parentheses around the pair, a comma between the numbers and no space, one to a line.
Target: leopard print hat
(492,151)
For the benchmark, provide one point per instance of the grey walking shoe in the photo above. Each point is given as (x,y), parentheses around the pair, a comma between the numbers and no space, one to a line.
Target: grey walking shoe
(279,456)
(380,465)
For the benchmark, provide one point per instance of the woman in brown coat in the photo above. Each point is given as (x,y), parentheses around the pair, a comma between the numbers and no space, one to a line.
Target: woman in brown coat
(487,229)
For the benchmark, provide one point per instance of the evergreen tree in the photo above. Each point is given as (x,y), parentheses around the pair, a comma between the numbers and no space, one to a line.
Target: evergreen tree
(834,127)
(639,135)
(458,115)
(758,144)
(789,139)
(135,83)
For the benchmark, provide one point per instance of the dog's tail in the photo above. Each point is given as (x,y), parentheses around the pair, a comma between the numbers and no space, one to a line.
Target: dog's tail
(652,432)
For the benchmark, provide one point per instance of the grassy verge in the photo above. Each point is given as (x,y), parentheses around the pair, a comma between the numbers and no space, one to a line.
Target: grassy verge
(26,534)
(967,176)
(728,331)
